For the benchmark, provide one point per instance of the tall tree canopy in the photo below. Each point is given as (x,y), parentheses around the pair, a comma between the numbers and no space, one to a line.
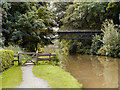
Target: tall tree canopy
(59,9)
(27,23)
(88,15)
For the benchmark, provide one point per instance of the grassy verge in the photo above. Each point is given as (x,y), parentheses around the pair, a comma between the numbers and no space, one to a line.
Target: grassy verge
(56,77)
(0,81)
(12,77)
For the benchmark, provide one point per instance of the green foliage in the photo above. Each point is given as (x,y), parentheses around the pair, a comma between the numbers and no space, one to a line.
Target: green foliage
(73,46)
(49,49)
(12,77)
(27,23)
(101,51)
(113,10)
(57,61)
(85,15)
(84,49)
(56,77)
(111,40)
(96,44)
(39,49)
(60,10)
(1,41)
(64,46)
(16,49)
(6,59)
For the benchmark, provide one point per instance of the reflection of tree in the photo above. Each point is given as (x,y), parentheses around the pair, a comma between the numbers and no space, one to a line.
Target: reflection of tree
(64,60)
(110,71)
(97,66)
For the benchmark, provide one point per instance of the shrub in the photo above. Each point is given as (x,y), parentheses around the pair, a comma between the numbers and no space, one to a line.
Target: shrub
(6,59)
(102,51)
(96,44)
(111,40)
(16,49)
(56,62)
(73,48)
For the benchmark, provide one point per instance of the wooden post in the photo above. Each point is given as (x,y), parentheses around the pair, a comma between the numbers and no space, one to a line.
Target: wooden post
(18,59)
(36,56)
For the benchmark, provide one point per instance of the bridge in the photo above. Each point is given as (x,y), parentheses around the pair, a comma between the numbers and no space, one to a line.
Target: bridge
(76,34)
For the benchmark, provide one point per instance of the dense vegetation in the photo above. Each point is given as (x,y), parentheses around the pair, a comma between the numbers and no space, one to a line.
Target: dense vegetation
(109,44)
(86,15)
(27,24)
(30,25)
(6,59)
(90,16)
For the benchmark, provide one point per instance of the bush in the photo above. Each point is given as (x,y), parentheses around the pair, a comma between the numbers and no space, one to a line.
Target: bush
(96,44)
(6,59)
(111,40)
(16,49)
(102,51)
(57,61)
(73,48)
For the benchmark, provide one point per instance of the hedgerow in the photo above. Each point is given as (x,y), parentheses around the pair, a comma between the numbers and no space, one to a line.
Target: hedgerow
(6,59)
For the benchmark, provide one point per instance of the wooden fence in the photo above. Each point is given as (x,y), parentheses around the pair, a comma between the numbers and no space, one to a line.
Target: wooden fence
(36,55)
(44,59)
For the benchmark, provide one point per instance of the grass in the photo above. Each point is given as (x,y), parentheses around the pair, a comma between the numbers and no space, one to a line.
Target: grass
(12,77)
(56,77)
(0,81)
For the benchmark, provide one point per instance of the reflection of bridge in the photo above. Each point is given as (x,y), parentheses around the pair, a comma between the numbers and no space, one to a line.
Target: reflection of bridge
(77,34)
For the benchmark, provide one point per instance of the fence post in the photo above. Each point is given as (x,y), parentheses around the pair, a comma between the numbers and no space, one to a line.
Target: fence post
(18,59)
(36,56)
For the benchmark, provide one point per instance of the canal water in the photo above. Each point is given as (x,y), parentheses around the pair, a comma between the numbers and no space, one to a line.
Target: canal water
(92,71)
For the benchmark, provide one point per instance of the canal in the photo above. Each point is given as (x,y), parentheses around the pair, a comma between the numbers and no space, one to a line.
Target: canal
(92,71)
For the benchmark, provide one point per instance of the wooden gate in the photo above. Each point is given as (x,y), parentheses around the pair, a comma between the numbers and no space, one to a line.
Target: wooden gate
(36,56)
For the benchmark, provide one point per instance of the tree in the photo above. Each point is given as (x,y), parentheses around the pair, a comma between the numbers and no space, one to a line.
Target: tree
(27,24)
(85,15)
(59,9)
(113,11)
(88,15)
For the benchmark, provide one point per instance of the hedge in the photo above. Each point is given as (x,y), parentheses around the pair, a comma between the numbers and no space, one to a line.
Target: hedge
(6,59)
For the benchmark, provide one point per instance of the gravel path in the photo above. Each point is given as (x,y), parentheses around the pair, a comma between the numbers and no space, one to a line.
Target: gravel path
(30,81)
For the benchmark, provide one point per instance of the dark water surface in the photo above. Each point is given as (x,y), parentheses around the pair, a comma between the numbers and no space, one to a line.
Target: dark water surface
(92,71)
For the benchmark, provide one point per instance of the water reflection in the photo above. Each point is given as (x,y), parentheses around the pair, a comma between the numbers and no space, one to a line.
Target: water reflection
(92,71)
(110,71)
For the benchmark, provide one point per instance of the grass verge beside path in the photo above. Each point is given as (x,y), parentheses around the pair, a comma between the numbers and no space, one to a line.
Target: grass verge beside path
(0,81)
(56,77)
(12,77)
